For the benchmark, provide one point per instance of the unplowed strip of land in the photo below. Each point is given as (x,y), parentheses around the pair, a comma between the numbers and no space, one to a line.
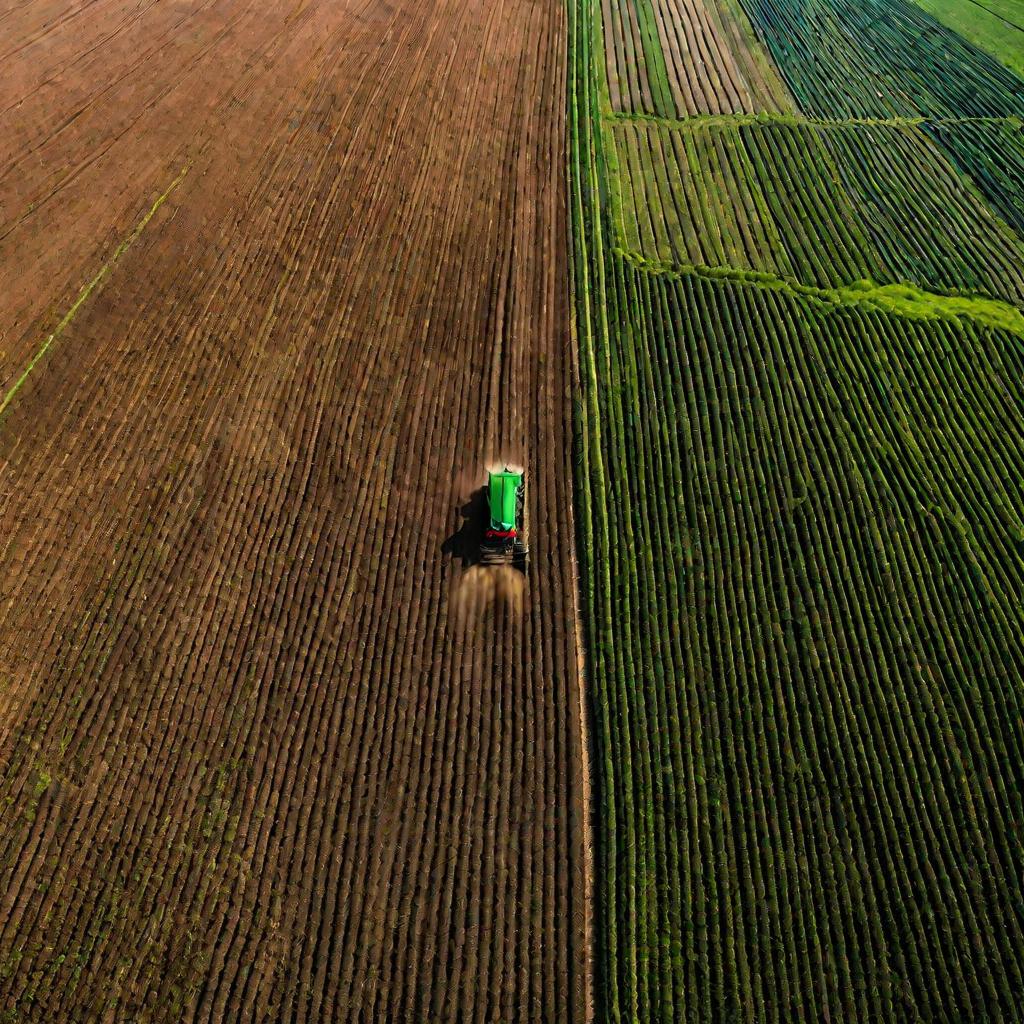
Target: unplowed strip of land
(279,280)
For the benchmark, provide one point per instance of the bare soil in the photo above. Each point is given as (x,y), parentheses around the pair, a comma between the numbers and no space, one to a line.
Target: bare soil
(267,752)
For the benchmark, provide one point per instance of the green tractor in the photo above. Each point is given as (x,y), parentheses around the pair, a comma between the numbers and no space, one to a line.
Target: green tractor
(505,538)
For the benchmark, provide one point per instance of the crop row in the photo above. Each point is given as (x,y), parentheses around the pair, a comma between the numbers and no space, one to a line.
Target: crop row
(880,58)
(678,57)
(821,205)
(802,552)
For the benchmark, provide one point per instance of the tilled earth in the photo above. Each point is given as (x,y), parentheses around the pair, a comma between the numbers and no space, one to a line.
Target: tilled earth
(268,750)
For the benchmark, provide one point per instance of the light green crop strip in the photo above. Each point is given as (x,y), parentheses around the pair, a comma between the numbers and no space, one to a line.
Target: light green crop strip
(89,288)
(900,299)
(700,121)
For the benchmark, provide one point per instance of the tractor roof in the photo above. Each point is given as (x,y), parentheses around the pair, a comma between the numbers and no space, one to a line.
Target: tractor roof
(501,487)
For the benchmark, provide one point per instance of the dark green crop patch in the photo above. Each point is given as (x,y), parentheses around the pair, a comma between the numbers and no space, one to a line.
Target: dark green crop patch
(799,509)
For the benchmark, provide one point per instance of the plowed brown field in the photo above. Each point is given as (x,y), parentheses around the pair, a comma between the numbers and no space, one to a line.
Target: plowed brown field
(277,280)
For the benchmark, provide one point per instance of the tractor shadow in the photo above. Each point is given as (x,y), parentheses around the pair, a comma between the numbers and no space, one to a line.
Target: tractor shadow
(465,543)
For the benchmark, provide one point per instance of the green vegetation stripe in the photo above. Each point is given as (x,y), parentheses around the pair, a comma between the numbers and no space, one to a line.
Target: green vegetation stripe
(700,121)
(899,299)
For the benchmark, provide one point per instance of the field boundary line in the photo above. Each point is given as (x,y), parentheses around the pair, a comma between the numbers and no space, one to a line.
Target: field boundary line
(699,121)
(583,707)
(902,300)
(90,287)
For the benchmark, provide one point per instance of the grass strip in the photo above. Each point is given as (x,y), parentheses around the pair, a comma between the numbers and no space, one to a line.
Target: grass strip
(698,121)
(901,299)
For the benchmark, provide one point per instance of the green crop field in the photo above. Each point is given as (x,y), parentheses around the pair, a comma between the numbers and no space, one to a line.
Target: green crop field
(821,205)
(994,25)
(799,277)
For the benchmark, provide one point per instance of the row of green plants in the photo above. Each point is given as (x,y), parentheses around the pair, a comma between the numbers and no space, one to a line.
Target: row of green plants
(821,205)
(802,552)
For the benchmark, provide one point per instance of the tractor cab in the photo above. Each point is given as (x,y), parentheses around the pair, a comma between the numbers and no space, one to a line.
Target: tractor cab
(505,538)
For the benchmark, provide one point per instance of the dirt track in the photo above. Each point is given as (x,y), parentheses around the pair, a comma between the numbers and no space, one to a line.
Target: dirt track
(264,755)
